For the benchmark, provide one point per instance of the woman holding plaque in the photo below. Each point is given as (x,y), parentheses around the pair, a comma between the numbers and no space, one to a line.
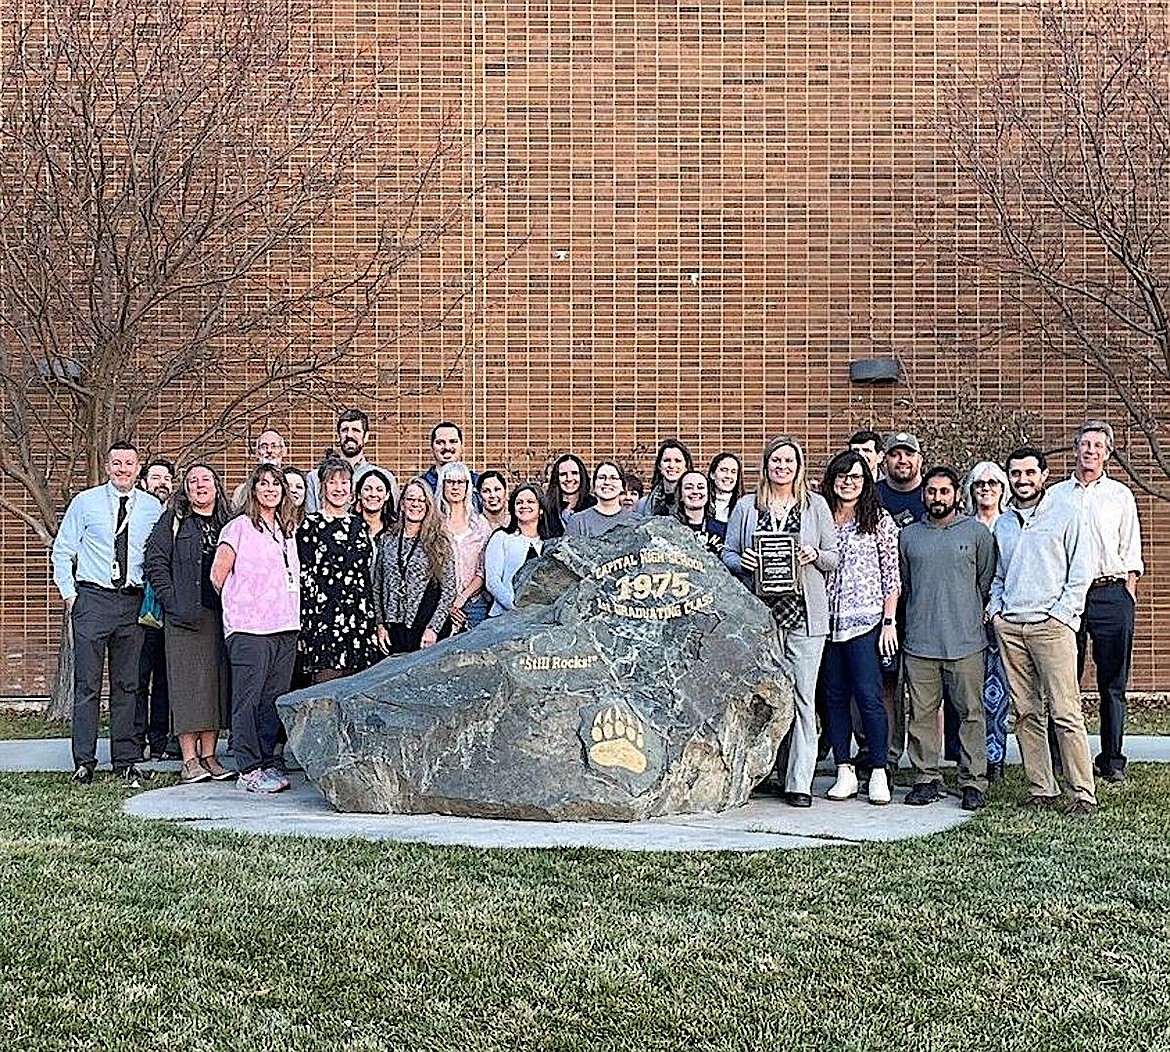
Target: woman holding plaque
(863,598)
(783,505)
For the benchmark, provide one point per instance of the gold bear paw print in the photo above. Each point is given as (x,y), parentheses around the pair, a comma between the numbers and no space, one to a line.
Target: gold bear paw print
(619,740)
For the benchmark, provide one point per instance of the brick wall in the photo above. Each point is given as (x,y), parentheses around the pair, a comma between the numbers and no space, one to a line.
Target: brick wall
(692,217)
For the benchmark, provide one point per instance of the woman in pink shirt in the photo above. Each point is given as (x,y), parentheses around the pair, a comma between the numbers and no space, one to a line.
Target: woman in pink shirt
(258,574)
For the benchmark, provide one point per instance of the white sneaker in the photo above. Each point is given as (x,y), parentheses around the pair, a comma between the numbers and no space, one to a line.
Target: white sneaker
(845,787)
(879,786)
(257,781)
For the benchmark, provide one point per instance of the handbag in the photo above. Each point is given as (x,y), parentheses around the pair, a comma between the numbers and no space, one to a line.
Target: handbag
(150,614)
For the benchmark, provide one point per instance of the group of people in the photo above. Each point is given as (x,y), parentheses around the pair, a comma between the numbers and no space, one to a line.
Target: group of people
(917,593)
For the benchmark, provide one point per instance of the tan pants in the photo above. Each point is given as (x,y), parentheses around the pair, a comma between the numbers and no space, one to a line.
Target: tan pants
(925,678)
(1041,665)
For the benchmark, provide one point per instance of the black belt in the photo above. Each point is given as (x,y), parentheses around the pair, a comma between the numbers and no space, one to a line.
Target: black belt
(127,590)
(1106,582)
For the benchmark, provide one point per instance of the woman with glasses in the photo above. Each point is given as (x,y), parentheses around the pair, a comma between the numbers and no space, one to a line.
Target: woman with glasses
(863,599)
(671,461)
(608,511)
(567,493)
(985,494)
(510,548)
(257,572)
(783,503)
(338,634)
(179,556)
(414,575)
(469,532)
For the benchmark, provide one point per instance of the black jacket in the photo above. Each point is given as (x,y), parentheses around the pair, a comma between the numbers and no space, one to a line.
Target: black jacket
(173,565)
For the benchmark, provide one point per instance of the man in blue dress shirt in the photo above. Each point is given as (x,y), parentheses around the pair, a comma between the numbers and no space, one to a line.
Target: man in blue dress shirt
(97,567)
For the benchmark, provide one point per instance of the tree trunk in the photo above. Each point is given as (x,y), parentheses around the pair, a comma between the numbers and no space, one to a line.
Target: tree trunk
(60,705)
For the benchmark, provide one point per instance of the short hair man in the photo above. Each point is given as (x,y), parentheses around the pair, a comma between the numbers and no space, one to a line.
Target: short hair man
(152,704)
(270,449)
(97,567)
(353,432)
(1110,520)
(947,562)
(447,448)
(868,445)
(1041,578)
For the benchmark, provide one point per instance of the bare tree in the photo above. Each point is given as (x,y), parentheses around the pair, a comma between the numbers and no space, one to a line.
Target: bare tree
(165,167)
(1067,145)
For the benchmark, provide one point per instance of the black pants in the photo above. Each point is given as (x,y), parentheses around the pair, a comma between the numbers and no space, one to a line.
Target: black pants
(105,629)
(262,667)
(152,705)
(1108,623)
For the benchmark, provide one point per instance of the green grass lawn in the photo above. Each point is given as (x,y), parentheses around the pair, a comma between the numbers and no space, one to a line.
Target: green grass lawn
(1015,931)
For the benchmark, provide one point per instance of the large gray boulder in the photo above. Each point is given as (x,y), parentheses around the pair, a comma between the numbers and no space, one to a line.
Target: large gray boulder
(636,678)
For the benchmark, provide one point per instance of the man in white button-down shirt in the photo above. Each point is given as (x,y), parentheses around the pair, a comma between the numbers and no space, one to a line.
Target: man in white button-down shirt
(1110,522)
(97,567)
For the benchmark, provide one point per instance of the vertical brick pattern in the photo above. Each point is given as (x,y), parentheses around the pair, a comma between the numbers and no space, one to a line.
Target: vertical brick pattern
(684,219)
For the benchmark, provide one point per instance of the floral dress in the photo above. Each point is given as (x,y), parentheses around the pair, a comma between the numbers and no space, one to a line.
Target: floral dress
(338,631)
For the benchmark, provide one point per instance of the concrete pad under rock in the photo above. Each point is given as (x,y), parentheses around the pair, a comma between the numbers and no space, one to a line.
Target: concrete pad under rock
(762,824)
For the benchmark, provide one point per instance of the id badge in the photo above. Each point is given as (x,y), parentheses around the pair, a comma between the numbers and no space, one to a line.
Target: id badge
(290,581)
(115,571)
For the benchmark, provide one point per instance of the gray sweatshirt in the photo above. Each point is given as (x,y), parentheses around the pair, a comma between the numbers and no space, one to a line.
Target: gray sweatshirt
(946,577)
(1044,567)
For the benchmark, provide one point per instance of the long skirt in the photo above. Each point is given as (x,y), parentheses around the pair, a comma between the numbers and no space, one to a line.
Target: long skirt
(198,673)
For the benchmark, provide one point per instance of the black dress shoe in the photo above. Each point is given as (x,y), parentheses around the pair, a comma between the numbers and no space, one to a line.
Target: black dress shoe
(1113,777)
(925,793)
(973,799)
(798,799)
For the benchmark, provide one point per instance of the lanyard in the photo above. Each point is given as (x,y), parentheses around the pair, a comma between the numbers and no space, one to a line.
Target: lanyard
(403,564)
(281,542)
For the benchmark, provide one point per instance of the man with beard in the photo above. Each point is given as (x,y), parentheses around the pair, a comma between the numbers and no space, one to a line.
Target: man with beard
(900,492)
(1109,517)
(152,701)
(947,562)
(1041,579)
(353,432)
(447,448)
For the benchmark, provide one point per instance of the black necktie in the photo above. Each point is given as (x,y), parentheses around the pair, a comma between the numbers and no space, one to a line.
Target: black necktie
(121,544)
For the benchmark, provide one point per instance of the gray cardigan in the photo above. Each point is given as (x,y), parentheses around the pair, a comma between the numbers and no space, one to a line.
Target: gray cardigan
(816,528)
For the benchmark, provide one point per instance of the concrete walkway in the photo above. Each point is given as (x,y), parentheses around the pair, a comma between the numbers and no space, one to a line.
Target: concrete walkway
(763,824)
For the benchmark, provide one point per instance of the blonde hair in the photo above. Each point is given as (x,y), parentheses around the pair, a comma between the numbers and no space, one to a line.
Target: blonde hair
(799,483)
(992,470)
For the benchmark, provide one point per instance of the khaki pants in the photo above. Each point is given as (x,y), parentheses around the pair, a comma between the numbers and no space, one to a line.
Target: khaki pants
(925,678)
(1041,665)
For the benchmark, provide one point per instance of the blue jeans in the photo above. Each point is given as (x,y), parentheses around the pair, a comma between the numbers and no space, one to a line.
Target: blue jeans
(853,671)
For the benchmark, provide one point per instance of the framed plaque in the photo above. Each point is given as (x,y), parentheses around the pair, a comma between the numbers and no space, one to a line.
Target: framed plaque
(777,571)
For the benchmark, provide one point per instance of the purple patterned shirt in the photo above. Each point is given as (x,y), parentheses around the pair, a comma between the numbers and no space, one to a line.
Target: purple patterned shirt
(866,574)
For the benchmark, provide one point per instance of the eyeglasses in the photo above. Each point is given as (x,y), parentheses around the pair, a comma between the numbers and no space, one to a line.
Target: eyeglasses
(985,483)
(454,482)
(414,500)
(852,476)
(608,478)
